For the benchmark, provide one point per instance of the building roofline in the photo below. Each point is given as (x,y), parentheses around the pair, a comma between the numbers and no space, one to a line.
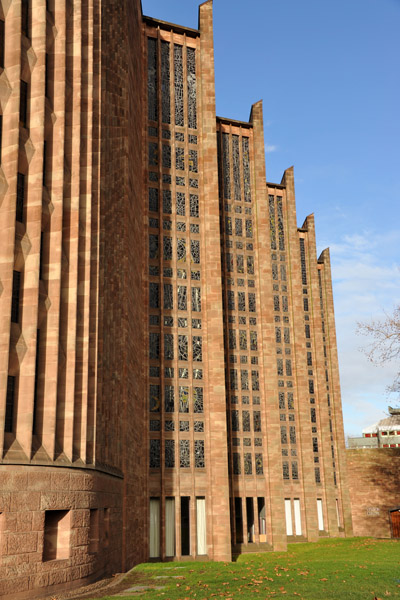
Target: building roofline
(226,121)
(168,26)
(276,185)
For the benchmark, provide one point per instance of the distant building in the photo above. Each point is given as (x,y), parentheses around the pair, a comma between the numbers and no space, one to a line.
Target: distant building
(169,382)
(384,434)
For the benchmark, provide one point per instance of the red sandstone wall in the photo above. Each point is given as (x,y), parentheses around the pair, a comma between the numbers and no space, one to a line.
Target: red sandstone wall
(374,482)
(122,400)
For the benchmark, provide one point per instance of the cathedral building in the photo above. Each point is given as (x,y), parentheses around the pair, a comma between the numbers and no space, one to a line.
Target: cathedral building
(169,383)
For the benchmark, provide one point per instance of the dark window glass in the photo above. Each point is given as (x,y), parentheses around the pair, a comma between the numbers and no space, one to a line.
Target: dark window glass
(19,211)
(16,286)
(2,44)
(25,17)
(8,427)
(23,103)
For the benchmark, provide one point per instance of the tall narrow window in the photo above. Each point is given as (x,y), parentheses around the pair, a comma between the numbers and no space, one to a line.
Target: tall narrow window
(238,520)
(191,87)
(320,513)
(297,516)
(19,210)
(165,83)
(262,523)
(178,77)
(154,527)
(25,17)
(10,399)
(23,103)
(250,520)
(16,287)
(2,44)
(1,136)
(152,79)
(44,162)
(35,393)
(169,526)
(185,526)
(201,526)
(288,517)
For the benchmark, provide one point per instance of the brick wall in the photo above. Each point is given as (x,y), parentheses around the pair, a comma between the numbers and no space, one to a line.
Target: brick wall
(374,482)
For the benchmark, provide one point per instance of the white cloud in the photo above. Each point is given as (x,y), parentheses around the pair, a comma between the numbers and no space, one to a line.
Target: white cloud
(365,285)
(270,148)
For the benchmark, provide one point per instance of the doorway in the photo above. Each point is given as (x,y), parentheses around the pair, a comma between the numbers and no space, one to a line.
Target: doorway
(395,522)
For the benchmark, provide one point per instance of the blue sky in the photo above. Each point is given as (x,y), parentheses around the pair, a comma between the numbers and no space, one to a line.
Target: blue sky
(328,74)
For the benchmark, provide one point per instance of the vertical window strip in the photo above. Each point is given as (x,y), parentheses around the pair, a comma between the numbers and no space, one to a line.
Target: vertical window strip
(303,262)
(281,234)
(191,87)
(10,399)
(236,167)
(226,166)
(246,169)
(152,79)
(165,83)
(178,78)
(272,225)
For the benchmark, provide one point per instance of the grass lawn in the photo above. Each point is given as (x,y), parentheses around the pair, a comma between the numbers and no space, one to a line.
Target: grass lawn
(333,569)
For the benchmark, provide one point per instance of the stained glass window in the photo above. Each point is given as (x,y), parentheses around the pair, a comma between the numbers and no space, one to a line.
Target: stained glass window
(288,368)
(198,400)
(153,246)
(236,463)
(285,470)
(153,223)
(252,302)
(195,275)
(286,335)
(226,165)
(272,221)
(180,159)
(155,446)
(283,434)
(234,379)
(152,78)
(313,415)
(166,156)
(290,401)
(194,183)
(197,348)
(284,303)
(194,228)
(241,301)
(283,274)
(170,454)
(281,400)
(168,321)
(198,426)
(292,434)
(154,398)
(196,323)
(153,154)
(246,420)
(236,166)
(183,399)
(199,461)
(257,441)
(259,464)
(246,442)
(318,475)
(169,398)
(154,371)
(191,89)
(281,235)
(169,426)
(181,274)
(248,469)
(183,373)
(235,420)
(154,346)
(255,384)
(154,295)
(193,163)
(184,453)
(168,346)
(246,169)
(295,470)
(229,262)
(182,347)
(195,251)
(181,250)
(168,296)
(182,297)
(196,299)
(153,176)
(250,265)
(249,228)
(311,386)
(178,72)
(276,303)
(228,225)
(167,248)
(155,425)
(253,340)
(194,205)
(183,425)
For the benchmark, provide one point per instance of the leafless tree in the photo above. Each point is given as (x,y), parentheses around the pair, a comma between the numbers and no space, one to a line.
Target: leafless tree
(385,345)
